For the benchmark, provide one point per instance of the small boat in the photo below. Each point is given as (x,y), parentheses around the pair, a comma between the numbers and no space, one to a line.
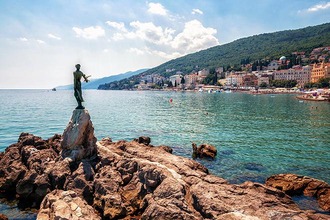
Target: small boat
(53,89)
(313,98)
(200,90)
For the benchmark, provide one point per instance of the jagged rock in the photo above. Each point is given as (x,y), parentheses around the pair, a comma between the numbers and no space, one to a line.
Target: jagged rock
(153,184)
(3,217)
(204,150)
(165,148)
(81,181)
(11,169)
(61,204)
(131,180)
(293,185)
(79,141)
(143,140)
(24,167)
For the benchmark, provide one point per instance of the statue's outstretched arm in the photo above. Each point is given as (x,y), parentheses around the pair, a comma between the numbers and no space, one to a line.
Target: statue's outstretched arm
(86,77)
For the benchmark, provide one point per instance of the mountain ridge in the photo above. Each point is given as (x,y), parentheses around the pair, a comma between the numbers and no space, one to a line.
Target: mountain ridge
(94,83)
(257,47)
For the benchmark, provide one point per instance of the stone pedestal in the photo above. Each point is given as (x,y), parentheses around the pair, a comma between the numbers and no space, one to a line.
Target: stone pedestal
(79,141)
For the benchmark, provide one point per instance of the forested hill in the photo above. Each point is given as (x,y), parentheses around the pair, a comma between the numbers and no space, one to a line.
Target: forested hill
(263,46)
(270,45)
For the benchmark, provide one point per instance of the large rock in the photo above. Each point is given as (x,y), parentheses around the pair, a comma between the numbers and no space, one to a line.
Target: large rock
(204,150)
(79,141)
(294,185)
(61,204)
(138,181)
(132,180)
(25,168)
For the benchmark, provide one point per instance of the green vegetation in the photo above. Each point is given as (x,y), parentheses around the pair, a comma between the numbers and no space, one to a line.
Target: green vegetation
(259,48)
(322,83)
(211,78)
(283,83)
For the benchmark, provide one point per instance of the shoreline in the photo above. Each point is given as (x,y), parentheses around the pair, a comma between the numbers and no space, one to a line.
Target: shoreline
(153,171)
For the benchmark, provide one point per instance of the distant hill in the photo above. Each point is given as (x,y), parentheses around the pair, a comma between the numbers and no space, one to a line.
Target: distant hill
(269,46)
(94,83)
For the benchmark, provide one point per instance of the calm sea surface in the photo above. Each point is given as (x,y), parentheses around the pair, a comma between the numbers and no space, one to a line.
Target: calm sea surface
(256,136)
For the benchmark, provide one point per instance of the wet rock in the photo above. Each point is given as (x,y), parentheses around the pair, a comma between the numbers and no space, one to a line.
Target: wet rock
(3,217)
(143,140)
(204,150)
(165,148)
(131,180)
(22,169)
(11,171)
(294,185)
(79,141)
(254,167)
(61,204)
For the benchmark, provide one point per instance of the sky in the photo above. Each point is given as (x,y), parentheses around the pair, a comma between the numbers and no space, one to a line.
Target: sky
(41,41)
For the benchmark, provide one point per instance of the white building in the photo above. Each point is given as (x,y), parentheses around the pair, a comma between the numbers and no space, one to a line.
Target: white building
(301,74)
(273,65)
(175,80)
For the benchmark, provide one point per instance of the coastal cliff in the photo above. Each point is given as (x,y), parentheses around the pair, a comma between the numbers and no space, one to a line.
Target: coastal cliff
(133,180)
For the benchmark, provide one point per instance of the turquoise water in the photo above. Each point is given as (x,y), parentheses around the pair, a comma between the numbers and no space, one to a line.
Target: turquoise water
(256,136)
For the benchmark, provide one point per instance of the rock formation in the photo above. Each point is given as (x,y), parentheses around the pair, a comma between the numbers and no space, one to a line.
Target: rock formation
(295,185)
(131,180)
(3,217)
(204,150)
(61,204)
(79,141)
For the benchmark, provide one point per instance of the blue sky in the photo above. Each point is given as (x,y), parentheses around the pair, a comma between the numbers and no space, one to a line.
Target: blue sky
(41,41)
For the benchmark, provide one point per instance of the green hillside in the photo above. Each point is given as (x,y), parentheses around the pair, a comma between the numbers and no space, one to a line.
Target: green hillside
(263,46)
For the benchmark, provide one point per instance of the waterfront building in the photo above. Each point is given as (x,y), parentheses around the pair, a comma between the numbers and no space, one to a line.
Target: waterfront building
(175,79)
(191,80)
(203,72)
(263,79)
(235,79)
(249,80)
(273,65)
(320,71)
(301,74)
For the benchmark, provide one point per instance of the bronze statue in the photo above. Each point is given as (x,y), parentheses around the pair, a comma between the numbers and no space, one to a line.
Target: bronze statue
(77,86)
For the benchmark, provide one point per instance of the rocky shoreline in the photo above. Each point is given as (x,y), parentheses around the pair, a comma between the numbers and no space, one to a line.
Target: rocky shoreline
(72,176)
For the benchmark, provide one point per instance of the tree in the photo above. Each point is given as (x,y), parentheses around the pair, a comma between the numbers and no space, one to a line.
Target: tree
(324,82)
(169,84)
(283,83)
(182,80)
(263,85)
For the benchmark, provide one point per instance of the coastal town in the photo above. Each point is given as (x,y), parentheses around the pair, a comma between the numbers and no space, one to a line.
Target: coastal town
(295,73)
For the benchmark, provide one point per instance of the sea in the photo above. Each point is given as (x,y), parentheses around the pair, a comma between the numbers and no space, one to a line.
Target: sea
(256,135)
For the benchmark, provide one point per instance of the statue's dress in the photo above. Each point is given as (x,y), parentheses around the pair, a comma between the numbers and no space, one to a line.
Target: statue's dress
(77,86)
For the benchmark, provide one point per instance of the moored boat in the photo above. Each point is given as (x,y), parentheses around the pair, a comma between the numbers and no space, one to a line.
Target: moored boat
(309,97)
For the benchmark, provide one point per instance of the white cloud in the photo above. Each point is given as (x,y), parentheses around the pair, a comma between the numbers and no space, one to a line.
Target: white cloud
(92,32)
(137,51)
(117,25)
(157,8)
(151,33)
(195,37)
(163,42)
(319,7)
(196,11)
(41,41)
(52,36)
(23,39)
